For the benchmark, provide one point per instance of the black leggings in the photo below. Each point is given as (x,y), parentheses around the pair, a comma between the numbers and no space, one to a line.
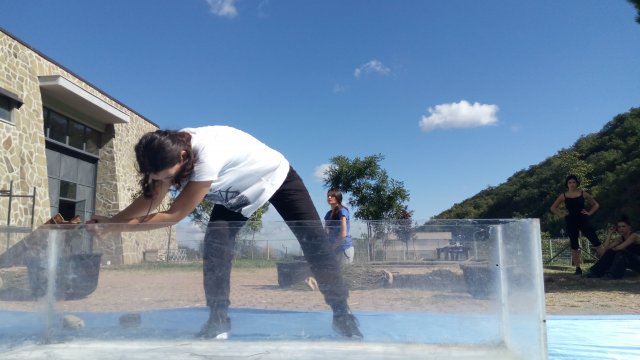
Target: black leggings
(577,224)
(293,203)
(615,263)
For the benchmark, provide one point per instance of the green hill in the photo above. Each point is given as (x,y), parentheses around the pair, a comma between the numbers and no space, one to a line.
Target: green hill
(607,162)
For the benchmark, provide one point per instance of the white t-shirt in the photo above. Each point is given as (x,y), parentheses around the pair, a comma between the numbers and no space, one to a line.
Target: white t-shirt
(244,172)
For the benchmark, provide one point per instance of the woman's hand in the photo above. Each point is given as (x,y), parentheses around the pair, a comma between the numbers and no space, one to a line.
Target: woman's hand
(98,219)
(99,225)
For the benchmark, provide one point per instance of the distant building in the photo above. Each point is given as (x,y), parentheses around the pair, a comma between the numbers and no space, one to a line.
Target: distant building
(422,246)
(66,147)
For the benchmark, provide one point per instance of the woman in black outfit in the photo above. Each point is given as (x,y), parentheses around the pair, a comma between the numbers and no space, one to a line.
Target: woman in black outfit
(622,252)
(577,218)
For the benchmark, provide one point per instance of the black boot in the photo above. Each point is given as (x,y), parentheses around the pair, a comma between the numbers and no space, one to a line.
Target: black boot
(347,326)
(218,325)
(345,323)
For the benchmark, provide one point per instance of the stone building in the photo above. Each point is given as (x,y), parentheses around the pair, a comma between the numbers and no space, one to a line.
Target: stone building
(66,147)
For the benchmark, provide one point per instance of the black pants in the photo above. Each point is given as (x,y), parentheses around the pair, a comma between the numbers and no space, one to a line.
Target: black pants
(293,203)
(577,224)
(615,263)
(612,262)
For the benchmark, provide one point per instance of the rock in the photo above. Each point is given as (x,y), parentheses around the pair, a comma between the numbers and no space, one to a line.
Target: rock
(130,320)
(72,322)
(362,277)
(311,282)
(388,277)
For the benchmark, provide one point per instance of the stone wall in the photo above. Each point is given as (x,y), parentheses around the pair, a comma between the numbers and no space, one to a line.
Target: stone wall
(22,144)
(23,159)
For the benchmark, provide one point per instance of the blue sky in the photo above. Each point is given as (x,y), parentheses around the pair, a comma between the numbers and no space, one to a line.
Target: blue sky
(457,95)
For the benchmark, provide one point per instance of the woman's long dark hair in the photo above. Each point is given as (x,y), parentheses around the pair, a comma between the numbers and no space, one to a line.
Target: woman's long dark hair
(624,219)
(162,149)
(335,211)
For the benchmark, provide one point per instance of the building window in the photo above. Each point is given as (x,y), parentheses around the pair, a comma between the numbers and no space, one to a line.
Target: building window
(8,102)
(5,109)
(66,131)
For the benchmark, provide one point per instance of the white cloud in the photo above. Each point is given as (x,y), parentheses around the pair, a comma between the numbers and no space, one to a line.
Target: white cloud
(373,66)
(339,88)
(262,8)
(319,172)
(459,115)
(224,8)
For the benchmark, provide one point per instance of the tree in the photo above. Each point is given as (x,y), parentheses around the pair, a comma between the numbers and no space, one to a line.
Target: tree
(607,163)
(254,225)
(374,196)
(636,3)
(404,230)
(571,163)
(200,215)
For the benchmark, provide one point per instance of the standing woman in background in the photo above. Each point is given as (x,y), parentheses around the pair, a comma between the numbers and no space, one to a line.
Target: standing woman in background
(576,218)
(338,227)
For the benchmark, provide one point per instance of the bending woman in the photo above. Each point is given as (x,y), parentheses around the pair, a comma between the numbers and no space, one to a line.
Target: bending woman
(577,218)
(239,174)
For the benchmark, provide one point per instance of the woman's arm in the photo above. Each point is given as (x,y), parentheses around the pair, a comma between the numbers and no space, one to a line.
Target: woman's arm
(594,204)
(555,207)
(187,200)
(142,206)
(610,242)
(628,241)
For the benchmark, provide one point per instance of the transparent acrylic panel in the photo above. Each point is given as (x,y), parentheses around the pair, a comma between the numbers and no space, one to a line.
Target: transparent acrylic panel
(447,289)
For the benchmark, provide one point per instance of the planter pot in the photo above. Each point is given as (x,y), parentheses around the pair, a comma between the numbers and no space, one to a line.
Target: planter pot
(480,279)
(290,273)
(76,276)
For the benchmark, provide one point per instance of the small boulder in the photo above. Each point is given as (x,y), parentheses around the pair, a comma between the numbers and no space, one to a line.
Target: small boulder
(72,322)
(312,283)
(130,320)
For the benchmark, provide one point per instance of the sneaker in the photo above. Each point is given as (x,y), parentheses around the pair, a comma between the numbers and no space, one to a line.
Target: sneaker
(578,271)
(217,327)
(347,326)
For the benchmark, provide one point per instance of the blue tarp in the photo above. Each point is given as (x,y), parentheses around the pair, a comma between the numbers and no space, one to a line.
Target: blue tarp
(569,337)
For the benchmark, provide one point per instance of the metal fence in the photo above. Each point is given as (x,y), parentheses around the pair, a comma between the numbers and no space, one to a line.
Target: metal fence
(558,252)
(555,251)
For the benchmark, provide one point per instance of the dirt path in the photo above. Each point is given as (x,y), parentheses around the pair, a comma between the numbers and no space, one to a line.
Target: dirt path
(137,290)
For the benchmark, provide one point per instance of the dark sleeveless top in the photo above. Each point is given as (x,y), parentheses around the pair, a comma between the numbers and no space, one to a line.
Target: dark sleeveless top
(574,205)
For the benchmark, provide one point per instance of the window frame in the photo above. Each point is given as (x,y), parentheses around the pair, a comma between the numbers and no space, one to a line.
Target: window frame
(11,102)
(47,114)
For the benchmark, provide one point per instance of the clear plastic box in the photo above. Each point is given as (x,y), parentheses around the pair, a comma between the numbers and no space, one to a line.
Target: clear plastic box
(447,289)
